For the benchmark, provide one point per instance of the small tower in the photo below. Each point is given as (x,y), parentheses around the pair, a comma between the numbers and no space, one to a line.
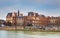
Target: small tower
(18,12)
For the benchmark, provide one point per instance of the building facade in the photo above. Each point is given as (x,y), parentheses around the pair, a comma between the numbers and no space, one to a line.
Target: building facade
(20,20)
(33,19)
(11,17)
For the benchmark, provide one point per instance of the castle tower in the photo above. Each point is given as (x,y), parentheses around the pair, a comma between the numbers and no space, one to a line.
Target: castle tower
(18,12)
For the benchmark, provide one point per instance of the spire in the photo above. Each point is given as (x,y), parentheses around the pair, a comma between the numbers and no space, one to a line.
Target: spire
(18,12)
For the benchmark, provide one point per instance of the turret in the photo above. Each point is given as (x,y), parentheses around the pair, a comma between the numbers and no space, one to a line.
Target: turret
(18,12)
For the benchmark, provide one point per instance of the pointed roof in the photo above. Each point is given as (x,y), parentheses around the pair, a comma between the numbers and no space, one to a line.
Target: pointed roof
(18,12)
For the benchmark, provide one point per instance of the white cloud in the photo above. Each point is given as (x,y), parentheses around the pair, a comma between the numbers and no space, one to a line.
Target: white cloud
(25,9)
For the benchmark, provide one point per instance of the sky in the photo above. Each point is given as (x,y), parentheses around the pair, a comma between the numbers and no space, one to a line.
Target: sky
(45,7)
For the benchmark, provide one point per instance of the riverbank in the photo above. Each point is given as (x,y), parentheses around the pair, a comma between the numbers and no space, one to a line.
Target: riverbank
(21,28)
(12,28)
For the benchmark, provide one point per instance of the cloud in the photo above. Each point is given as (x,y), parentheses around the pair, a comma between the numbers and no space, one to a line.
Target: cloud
(36,1)
(46,7)
(51,2)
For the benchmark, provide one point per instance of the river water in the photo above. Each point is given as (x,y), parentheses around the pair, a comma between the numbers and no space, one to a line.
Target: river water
(28,34)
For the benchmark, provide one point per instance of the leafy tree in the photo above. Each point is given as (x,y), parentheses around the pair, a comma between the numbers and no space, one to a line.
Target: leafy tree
(29,25)
(8,23)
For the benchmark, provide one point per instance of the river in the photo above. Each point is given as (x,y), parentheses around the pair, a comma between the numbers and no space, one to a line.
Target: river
(28,34)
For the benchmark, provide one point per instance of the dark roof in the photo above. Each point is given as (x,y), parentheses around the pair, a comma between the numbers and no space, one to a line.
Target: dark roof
(2,20)
(42,16)
(9,14)
(20,16)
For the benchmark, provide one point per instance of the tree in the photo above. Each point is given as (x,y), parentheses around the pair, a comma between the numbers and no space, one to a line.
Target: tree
(29,25)
(8,23)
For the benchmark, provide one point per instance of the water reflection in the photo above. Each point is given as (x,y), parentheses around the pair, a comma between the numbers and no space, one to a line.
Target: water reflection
(3,34)
(28,34)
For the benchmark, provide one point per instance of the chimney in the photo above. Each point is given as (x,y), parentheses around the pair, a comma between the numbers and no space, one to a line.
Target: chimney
(18,12)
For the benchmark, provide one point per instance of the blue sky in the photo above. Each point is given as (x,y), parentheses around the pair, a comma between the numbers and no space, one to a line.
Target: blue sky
(46,7)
